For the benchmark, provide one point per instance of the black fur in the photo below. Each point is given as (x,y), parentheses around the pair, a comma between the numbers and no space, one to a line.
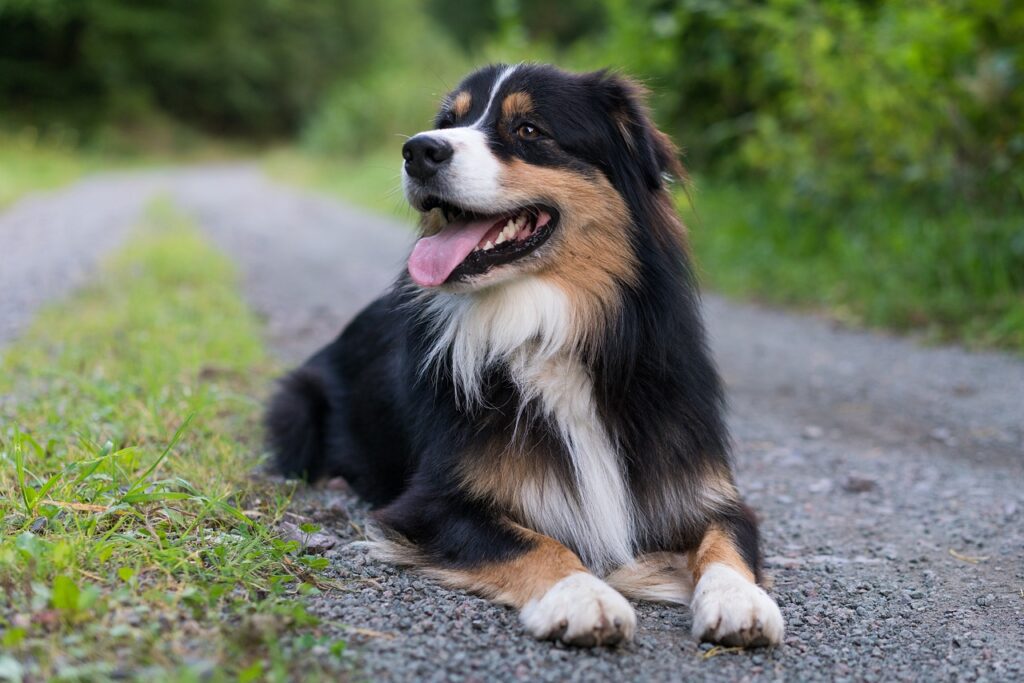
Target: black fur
(363,408)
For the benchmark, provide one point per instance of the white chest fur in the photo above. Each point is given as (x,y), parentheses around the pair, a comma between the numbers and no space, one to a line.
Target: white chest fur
(597,518)
(528,325)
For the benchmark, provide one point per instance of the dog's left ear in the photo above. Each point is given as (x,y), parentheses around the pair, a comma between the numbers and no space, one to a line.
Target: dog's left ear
(647,148)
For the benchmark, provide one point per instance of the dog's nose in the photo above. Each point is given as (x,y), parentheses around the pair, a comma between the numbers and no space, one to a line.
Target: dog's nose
(424,155)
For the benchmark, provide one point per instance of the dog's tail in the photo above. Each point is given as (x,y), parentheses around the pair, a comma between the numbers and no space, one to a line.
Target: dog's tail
(657,577)
(296,425)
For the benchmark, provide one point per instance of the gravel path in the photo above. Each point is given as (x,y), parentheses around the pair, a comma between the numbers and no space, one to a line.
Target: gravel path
(890,478)
(50,242)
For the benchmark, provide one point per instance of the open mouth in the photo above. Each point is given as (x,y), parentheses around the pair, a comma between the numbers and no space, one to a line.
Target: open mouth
(473,243)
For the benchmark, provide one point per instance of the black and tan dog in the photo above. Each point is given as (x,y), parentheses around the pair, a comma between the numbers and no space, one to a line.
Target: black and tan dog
(532,408)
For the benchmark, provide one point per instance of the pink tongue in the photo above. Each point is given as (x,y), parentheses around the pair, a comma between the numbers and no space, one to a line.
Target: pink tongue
(434,258)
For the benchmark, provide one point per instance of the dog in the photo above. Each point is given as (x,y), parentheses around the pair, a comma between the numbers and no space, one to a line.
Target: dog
(531,410)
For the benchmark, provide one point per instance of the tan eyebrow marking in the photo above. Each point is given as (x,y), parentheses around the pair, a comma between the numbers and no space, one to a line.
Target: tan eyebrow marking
(462,103)
(516,103)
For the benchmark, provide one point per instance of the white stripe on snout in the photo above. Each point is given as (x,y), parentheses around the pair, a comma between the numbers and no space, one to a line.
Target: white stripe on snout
(506,72)
(471,179)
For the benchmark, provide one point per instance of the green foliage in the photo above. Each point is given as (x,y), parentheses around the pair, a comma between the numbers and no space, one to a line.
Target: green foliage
(837,101)
(131,537)
(956,274)
(238,67)
(473,25)
(374,181)
(389,99)
(857,128)
(28,164)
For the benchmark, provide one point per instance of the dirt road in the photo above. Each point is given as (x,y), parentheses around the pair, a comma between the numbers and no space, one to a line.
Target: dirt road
(889,477)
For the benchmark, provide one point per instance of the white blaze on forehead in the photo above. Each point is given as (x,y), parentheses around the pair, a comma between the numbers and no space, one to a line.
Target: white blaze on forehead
(472,179)
(498,82)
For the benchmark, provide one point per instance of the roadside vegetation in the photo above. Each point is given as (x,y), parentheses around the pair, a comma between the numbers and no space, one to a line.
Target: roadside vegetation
(372,181)
(26,164)
(135,541)
(858,158)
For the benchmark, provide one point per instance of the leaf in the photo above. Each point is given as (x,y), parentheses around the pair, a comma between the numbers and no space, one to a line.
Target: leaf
(65,594)
(79,507)
(720,650)
(13,636)
(152,497)
(152,468)
(253,672)
(972,559)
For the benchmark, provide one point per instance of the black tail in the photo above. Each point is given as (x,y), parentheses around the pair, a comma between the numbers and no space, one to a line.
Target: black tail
(296,425)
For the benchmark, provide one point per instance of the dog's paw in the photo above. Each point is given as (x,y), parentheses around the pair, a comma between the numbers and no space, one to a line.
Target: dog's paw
(729,609)
(581,609)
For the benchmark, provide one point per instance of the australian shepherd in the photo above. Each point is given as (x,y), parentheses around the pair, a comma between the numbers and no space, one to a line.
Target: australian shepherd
(532,409)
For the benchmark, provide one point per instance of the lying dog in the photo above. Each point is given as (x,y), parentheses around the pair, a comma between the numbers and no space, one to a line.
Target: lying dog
(532,408)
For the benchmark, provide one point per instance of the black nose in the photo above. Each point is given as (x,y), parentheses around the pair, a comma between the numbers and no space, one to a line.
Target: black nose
(424,155)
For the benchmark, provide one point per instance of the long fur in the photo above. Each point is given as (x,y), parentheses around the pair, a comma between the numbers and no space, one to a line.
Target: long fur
(570,393)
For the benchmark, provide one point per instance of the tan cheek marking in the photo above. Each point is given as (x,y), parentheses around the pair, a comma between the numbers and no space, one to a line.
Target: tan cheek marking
(593,257)
(521,579)
(516,104)
(718,546)
(462,103)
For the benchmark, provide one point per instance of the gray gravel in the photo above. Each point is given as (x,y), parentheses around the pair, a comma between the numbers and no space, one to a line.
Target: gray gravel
(50,242)
(889,477)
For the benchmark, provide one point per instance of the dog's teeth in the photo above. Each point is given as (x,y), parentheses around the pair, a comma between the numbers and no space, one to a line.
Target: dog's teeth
(489,245)
(501,238)
(508,233)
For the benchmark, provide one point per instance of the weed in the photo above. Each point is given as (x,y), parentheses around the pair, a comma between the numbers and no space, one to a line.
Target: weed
(133,540)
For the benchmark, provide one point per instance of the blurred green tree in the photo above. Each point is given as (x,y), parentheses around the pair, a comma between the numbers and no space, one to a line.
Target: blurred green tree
(235,67)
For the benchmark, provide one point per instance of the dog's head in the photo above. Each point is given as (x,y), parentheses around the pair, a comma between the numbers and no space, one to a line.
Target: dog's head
(530,169)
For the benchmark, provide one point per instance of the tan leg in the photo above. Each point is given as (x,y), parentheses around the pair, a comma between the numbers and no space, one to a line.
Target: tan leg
(728,606)
(557,597)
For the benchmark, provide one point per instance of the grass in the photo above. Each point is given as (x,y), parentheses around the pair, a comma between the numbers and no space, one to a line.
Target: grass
(133,541)
(373,182)
(31,162)
(955,276)
(28,164)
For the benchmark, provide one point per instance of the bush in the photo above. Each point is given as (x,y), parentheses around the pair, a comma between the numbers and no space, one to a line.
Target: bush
(236,67)
(398,94)
(837,100)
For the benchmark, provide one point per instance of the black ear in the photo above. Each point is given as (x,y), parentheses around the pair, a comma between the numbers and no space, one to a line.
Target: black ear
(647,154)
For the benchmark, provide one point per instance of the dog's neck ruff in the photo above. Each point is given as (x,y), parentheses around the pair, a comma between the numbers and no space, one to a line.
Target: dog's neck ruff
(528,327)
(479,330)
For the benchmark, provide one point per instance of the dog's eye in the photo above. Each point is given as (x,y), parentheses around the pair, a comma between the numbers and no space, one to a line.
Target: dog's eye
(528,131)
(446,122)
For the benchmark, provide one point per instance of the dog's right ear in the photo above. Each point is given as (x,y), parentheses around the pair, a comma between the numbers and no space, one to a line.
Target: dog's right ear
(646,148)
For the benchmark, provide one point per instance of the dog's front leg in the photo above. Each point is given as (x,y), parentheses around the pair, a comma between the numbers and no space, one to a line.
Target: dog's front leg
(556,596)
(559,599)
(728,606)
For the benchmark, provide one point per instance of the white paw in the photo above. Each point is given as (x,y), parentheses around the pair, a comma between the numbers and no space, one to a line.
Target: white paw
(729,609)
(581,609)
